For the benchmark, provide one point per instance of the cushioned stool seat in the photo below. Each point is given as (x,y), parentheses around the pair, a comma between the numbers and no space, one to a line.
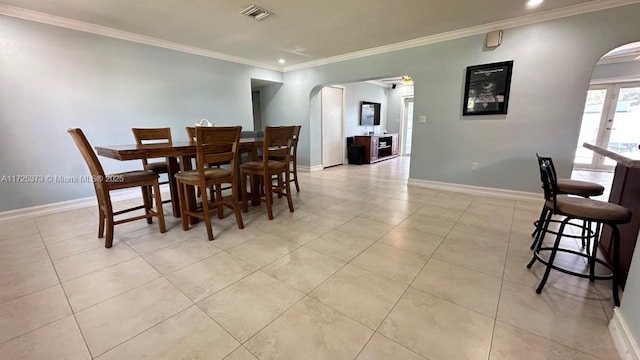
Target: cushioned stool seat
(588,209)
(579,188)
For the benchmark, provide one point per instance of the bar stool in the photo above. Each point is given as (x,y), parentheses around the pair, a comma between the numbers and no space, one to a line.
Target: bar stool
(580,188)
(588,210)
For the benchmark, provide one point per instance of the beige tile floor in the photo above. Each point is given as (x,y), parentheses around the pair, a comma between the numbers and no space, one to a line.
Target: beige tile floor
(365,268)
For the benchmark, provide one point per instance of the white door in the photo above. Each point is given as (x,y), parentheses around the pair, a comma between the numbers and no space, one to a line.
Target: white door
(332,138)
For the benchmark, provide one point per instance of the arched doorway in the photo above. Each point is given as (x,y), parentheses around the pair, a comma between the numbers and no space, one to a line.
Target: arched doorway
(611,116)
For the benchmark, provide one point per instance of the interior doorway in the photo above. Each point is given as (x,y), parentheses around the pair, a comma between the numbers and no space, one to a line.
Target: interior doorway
(611,120)
(333,143)
(257,114)
(406,128)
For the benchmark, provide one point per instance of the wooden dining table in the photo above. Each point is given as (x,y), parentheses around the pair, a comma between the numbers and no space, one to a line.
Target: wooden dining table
(184,151)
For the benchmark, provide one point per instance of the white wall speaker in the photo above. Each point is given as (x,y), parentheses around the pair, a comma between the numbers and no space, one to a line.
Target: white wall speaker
(494,39)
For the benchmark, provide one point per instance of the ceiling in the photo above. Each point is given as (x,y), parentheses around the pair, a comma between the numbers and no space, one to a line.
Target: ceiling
(297,31)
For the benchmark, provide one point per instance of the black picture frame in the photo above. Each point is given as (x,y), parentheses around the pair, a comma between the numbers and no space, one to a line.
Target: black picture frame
(486,89)
(369,113)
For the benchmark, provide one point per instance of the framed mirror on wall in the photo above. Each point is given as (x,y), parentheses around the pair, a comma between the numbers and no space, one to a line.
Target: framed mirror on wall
(369,113)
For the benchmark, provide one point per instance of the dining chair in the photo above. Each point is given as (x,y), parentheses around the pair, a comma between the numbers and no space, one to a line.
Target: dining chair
(151,136)
(276,144)
(191,134)
(294,156)
(104,184)
(293,168)
(214,145)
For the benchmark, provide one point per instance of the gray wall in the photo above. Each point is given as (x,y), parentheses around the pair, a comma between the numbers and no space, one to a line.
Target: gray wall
(356,93)
(53,79)
(553,65)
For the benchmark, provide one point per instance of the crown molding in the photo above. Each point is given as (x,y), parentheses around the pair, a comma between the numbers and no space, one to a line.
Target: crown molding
(619,59)
(67,23)
(593,6)
(379,83)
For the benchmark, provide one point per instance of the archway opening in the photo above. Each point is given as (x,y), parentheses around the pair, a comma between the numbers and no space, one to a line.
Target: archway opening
(611,117)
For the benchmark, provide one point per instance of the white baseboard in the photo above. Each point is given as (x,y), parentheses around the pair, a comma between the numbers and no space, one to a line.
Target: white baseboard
(475,190)
(127,194)
(41,210)
(623,338)
(310,168)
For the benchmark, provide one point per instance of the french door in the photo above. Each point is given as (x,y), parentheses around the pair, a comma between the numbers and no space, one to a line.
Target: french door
(611,120)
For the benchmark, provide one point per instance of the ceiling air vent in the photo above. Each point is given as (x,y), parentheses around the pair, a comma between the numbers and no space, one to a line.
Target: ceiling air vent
(255,12)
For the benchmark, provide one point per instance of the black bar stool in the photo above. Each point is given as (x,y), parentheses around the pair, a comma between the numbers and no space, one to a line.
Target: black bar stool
(588,210)
(580,188)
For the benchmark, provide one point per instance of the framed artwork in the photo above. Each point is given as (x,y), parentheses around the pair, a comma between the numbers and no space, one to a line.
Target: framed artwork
(486,89)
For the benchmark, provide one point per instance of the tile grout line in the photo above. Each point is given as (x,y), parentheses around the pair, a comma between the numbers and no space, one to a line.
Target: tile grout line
(84,340)
(306,295)
(405,291)
(504,266)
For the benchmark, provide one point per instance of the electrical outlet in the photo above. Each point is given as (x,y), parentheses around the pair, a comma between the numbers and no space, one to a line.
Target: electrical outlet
(422,119)
(474,166)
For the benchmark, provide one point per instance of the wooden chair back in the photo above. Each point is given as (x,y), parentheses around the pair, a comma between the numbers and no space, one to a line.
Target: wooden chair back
(152,136)
(294,140)
(277,143)
(216,145)
(191,133)
(95,168)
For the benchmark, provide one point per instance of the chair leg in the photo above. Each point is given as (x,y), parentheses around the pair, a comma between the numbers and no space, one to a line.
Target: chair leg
(159,210)
(295,176)
(540,239)
(207,214)
(147,205)
(541,229)
(219,200)
(236,205)
(108,241)
(552,257)
(539,225)
(592,250)
(268,195)
(245,195)
(100,222)
(182,197)
(287,185)
(616,263)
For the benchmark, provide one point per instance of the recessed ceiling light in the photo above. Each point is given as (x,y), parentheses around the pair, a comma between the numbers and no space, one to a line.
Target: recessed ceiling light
(534,3)
(282,61)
